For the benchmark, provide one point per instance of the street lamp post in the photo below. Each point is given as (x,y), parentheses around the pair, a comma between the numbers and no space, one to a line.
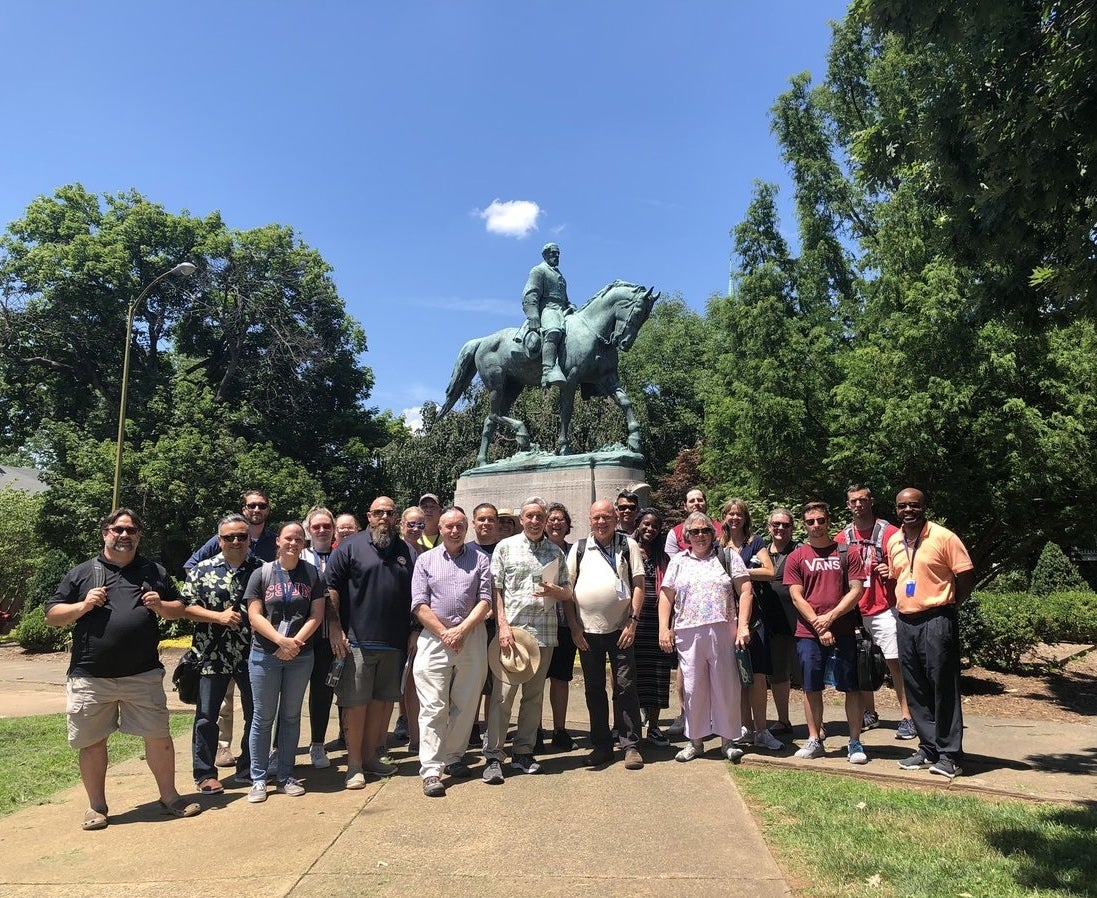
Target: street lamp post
(184,269)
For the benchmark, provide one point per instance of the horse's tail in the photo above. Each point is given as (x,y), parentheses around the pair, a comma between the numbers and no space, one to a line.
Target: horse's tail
(463,373)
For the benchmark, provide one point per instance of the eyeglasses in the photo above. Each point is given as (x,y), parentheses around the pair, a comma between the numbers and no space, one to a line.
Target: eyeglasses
(123,531)
(319,527)
(700,531)
(815,522)
(233,537)
(780,525)
(257,506)
(415,525)
(914,505)
(383,513)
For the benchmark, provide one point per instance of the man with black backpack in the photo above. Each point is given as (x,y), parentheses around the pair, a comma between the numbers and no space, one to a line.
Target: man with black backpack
(825,583)
(115,678)
(608,572)
(867,536)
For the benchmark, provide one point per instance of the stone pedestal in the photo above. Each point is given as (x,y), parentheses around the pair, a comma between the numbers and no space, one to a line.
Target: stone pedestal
(575,480)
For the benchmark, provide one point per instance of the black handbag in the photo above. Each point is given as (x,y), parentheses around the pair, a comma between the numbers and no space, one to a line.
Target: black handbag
(189,671)
(186,676)
(871,666)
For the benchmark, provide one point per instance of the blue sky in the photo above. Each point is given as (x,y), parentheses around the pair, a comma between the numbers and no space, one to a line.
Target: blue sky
(426,149)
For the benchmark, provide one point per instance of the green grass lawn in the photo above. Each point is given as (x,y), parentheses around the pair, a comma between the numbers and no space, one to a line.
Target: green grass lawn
(838,836)
(37,761)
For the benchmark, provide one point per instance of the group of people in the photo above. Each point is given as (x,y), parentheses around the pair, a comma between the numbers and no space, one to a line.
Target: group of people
(414,610)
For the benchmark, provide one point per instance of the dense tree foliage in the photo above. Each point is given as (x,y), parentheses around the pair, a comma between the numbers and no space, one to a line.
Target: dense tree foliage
(246,373)
(936,326)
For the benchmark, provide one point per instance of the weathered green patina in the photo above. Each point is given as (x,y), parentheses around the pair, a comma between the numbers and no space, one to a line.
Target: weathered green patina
(510,360)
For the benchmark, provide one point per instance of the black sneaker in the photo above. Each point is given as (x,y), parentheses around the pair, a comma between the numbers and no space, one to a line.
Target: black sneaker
(539,745)
(525,763)
(400,731)
(459,770)
(944,767)
(916,761)
(601,756)
(562,741)
(657,738)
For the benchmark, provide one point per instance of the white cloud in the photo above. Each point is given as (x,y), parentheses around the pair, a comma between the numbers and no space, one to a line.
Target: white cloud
(511,218)
(413,418)
(558,229)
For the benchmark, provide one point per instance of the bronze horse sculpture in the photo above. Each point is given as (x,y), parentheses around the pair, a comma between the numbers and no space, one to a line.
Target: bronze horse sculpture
(609,322)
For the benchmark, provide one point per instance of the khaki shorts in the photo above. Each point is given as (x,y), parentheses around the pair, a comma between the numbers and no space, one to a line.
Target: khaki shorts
(370,675)
(97,706)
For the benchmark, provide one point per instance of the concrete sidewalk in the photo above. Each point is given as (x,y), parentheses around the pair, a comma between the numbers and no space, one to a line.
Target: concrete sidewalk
(670,829)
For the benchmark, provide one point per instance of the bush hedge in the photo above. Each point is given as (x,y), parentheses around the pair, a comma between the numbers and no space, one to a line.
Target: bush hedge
(35,635)
(997,629)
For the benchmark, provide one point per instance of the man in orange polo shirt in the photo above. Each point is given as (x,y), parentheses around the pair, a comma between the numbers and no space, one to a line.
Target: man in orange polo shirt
(933,576)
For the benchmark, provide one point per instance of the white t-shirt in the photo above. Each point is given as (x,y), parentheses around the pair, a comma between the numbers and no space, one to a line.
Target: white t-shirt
(602,597)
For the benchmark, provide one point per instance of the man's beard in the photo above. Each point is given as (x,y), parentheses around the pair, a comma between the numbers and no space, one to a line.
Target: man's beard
(382,536)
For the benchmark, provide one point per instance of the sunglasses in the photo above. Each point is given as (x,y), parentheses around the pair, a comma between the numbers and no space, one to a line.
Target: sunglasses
(383,513)
(123,531)
(700,531)
(415,525)
(780,525)
(320,527)
(257,506)
(814,522)
(233,537)
(627,507)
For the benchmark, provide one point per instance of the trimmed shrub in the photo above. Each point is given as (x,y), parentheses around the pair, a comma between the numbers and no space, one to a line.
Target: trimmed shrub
(1069,617)
(1054,572)
(35,635)
(997,629)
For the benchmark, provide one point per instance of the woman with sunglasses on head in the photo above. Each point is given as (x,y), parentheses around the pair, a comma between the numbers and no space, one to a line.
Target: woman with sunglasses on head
(285,600)
(739,537)
(701,596)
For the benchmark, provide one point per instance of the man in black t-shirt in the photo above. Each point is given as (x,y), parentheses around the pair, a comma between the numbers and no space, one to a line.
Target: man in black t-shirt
(115,678)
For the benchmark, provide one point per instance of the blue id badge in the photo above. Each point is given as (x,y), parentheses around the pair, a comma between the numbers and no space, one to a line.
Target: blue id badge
(910,588)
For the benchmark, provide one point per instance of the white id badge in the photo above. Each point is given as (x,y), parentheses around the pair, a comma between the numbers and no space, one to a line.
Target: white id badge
(283,628)
(622,591)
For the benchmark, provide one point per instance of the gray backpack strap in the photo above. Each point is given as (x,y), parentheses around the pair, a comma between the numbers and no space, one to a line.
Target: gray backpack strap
(98,574)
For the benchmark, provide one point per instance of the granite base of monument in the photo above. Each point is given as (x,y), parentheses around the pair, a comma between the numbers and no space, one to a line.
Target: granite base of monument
(575,480)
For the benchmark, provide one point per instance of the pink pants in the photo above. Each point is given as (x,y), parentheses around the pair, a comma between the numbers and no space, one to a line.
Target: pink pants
(710,681)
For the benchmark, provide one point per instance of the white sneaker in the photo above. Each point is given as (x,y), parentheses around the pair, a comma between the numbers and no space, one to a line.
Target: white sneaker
(319,756)
(257,793)
(688,753)
(291,787)
(765,739)
(731,751)
(355,778)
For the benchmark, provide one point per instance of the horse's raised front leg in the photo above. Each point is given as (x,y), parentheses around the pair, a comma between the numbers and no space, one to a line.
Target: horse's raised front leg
(622,400)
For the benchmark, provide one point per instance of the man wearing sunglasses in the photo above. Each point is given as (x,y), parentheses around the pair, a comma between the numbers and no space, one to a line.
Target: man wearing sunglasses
(115,678)
(214,597)
(369,622)
(933,576)
(255,508)
(825,584)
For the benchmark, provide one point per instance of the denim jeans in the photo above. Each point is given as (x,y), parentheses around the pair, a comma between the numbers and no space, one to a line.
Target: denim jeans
(211,692)
(273,679)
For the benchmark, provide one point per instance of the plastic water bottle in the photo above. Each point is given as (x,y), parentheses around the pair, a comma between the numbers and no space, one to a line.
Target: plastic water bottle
(830,673)
(336,671)
(746,668)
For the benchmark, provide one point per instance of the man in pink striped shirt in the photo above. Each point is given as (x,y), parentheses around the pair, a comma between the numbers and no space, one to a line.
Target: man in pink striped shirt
(451,597)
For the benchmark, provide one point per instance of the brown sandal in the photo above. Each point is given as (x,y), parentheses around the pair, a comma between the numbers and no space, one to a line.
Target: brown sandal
(94,819)
(211,786)
(181,808)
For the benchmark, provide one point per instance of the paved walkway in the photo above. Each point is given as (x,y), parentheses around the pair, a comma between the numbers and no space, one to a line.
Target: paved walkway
(671,828)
